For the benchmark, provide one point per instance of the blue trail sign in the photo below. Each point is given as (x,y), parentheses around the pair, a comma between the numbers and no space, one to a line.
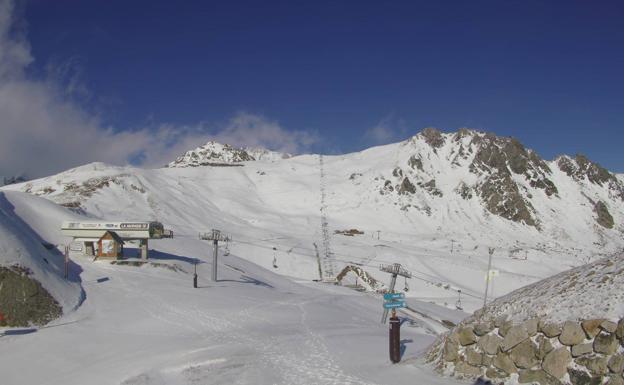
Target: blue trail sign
(391,296)
(391,305)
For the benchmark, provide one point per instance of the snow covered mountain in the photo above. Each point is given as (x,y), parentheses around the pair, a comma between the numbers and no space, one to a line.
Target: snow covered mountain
(217,154)
(447,197)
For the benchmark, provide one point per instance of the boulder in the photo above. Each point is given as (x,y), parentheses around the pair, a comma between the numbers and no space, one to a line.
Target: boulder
(579,377)
(605,343)
(537,376)
(473,357)
(582,349)
(500,320)
(524,354)
(609,326)
(619,332)
(550,329)
(504,363)
(571,334)
(616,363)
(451,347)
(495,373)
(490,343)
(483,328)
(543,347)
(556,362)
(592,327)
(615,380)
(466,336)
(596,365)
(513,337)
(531,326)
(504,328)
(465,370)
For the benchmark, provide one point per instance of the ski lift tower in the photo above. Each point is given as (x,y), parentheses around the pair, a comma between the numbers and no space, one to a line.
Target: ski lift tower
(215,236)
(395,269)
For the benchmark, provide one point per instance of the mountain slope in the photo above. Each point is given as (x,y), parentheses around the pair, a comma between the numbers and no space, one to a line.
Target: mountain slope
(439,200)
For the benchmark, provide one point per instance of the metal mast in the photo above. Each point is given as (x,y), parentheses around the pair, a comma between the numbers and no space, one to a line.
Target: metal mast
(395,269)
(328,264)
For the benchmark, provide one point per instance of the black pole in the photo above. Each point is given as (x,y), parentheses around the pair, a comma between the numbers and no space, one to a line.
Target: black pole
(195,276)
(395,339)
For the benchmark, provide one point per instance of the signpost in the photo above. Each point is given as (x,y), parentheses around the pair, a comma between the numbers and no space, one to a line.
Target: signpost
(395,269)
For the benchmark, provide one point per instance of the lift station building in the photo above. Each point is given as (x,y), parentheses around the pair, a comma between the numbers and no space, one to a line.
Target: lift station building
(86,235)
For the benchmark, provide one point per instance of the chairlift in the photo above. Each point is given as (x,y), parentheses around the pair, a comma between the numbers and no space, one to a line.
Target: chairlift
(458,304)
(274,258)
(406,288)
(226,252)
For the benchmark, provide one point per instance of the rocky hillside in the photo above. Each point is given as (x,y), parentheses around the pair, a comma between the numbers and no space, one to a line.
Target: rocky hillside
(567,329)
(217,154)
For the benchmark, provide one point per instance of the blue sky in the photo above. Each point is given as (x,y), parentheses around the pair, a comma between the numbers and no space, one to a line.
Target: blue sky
(350,74)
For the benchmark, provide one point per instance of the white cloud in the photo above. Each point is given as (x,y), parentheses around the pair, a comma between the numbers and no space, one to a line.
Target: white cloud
(42,131)
(387,130)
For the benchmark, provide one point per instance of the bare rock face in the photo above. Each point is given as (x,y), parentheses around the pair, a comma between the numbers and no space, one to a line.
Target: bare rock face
(572,334)
(433,137)
(407,187)
(604,217)
(605,343)
(556,362)
(514,336)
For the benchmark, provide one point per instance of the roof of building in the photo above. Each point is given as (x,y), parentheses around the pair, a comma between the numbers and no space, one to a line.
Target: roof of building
(114,235)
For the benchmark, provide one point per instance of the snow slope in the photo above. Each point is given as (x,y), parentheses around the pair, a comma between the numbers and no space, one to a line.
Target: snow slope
(148,325)
(441,229)
(21,245)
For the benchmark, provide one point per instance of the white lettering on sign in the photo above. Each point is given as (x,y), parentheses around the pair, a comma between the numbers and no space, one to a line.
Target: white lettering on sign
(134,226)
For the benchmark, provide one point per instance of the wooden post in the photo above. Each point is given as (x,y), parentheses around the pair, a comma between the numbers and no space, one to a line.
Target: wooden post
(395,339)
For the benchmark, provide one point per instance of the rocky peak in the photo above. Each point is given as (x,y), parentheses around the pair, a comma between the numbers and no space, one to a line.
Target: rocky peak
(217,154)
(581,167)
(432,137)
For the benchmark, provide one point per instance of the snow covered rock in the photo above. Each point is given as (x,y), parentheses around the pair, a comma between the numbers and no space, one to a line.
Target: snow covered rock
(575,316)
(217,154)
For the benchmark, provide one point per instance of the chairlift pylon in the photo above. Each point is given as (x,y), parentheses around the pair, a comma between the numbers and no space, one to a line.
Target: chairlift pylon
(458,304)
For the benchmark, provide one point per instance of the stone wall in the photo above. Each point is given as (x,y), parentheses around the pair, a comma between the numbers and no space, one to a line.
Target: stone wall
(534,352)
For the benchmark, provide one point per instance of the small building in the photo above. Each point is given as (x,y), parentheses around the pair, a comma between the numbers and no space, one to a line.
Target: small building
(110,245)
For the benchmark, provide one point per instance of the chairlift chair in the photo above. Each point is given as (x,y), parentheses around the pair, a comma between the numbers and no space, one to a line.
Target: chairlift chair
(406,288)
(274,258)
